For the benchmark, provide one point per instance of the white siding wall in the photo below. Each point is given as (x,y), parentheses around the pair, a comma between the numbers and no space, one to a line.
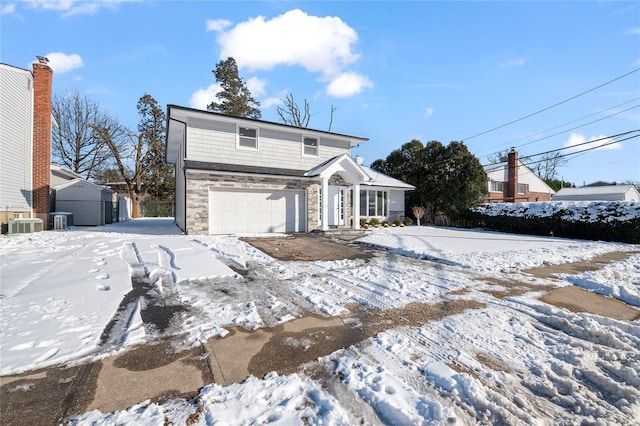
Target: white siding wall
(214,141)
(16,129)
(535,183)
(180,190)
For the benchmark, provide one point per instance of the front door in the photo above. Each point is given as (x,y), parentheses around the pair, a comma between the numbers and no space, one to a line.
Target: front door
(336,206)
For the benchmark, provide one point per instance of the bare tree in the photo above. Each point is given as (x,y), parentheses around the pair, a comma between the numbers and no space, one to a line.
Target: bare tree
(419,212)
(498,157)
(137,155)
(290,113)
(74,143)
(546,165)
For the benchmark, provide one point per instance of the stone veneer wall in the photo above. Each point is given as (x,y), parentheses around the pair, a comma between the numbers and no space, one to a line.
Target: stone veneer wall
(200,182)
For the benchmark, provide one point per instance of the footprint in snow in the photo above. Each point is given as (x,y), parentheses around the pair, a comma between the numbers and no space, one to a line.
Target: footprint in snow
(103,276)
(103,287)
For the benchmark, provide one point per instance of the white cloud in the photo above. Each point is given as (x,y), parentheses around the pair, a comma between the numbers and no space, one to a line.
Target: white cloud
(428,112)
(512,63)
(348,84)
(633,31)
(61,62)
(203,97)
(76,7)
(8,9)
(256,86)
(576,139)
(323,45)
(269,102)
(217,25)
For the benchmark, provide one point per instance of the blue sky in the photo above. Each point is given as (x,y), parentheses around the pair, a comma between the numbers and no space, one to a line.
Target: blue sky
(393,70)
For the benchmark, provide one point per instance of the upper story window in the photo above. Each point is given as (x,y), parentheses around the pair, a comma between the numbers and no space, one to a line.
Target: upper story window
(310,146)
(247,138)
(522,188)
(496,186)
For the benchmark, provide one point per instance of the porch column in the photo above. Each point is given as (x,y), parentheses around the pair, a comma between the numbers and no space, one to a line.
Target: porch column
(324,208)
(356,206)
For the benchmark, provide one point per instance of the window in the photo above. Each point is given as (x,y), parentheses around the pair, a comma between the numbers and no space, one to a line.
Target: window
(522,188)
(496,186)
(373,203)
(247,138)
(310,146)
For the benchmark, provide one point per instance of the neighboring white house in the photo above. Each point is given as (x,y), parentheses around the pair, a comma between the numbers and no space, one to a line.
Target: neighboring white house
(240,175)
(511,181)
(599,193)
(16,130)
(25,142)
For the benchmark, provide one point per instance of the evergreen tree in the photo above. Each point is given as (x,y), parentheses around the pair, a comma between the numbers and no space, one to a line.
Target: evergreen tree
(448,179)
(234,98)
(159,179)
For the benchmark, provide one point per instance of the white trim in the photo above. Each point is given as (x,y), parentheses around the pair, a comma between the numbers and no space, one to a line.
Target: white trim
(247,148)
(317,154)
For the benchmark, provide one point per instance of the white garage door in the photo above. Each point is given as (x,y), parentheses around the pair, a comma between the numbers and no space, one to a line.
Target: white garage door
(237,212)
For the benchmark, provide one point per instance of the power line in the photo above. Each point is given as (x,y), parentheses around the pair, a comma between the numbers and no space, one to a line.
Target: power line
(510,143)
(488,167)
(577,127)
(552,106)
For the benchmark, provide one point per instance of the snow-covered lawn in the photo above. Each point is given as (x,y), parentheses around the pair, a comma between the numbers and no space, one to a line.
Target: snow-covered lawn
(515,361)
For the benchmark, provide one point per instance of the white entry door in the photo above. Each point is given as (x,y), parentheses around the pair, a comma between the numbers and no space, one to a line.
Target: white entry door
(336,206)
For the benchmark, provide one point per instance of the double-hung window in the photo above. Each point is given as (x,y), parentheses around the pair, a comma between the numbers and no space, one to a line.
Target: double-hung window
(310,146)
(496,186)
(522,188)
(247,138)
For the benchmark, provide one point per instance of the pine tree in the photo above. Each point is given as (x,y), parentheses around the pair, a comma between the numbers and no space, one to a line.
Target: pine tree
(234,98)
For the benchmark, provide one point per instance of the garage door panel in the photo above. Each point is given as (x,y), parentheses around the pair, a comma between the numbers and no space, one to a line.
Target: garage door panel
(256,211)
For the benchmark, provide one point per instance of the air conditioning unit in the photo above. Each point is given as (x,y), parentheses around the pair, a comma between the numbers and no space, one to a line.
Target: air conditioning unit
(25,226)
(60,221)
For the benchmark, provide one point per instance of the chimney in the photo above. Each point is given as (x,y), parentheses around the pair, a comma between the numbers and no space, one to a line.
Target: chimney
(512,176)
(359,160)
(41,155)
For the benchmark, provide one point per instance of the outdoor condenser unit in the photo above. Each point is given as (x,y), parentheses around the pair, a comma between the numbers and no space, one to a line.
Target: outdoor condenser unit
(25,226)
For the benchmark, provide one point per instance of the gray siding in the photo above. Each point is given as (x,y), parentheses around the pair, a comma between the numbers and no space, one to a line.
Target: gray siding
(85,200)
(180,191)
(16,130)
(215,141)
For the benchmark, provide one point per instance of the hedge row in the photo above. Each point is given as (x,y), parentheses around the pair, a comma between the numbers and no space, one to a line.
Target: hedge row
(627,231)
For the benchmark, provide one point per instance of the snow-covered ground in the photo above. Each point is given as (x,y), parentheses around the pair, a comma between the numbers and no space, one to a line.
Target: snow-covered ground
(514,361)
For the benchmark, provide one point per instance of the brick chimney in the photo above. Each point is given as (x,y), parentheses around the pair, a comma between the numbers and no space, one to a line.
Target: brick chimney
(512,176)
(41,180)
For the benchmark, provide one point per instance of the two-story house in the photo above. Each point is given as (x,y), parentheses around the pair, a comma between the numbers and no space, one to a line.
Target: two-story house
(513,182)
(241,175)
(25,142)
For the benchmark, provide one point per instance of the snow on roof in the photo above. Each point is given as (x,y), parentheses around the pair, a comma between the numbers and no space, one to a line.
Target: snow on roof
(380,179)
(595,190)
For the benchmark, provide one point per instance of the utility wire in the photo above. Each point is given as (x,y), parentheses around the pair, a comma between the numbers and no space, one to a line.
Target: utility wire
(488,167)
(552,106)
(510,143)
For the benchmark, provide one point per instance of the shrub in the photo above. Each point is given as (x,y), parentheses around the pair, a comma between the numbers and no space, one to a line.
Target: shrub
(363,222)
(374,221)
(407,221)
(397,222)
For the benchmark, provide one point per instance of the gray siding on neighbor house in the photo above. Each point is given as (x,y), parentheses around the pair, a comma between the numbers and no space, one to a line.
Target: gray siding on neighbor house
(215,141)
(85,200)
(16,130)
